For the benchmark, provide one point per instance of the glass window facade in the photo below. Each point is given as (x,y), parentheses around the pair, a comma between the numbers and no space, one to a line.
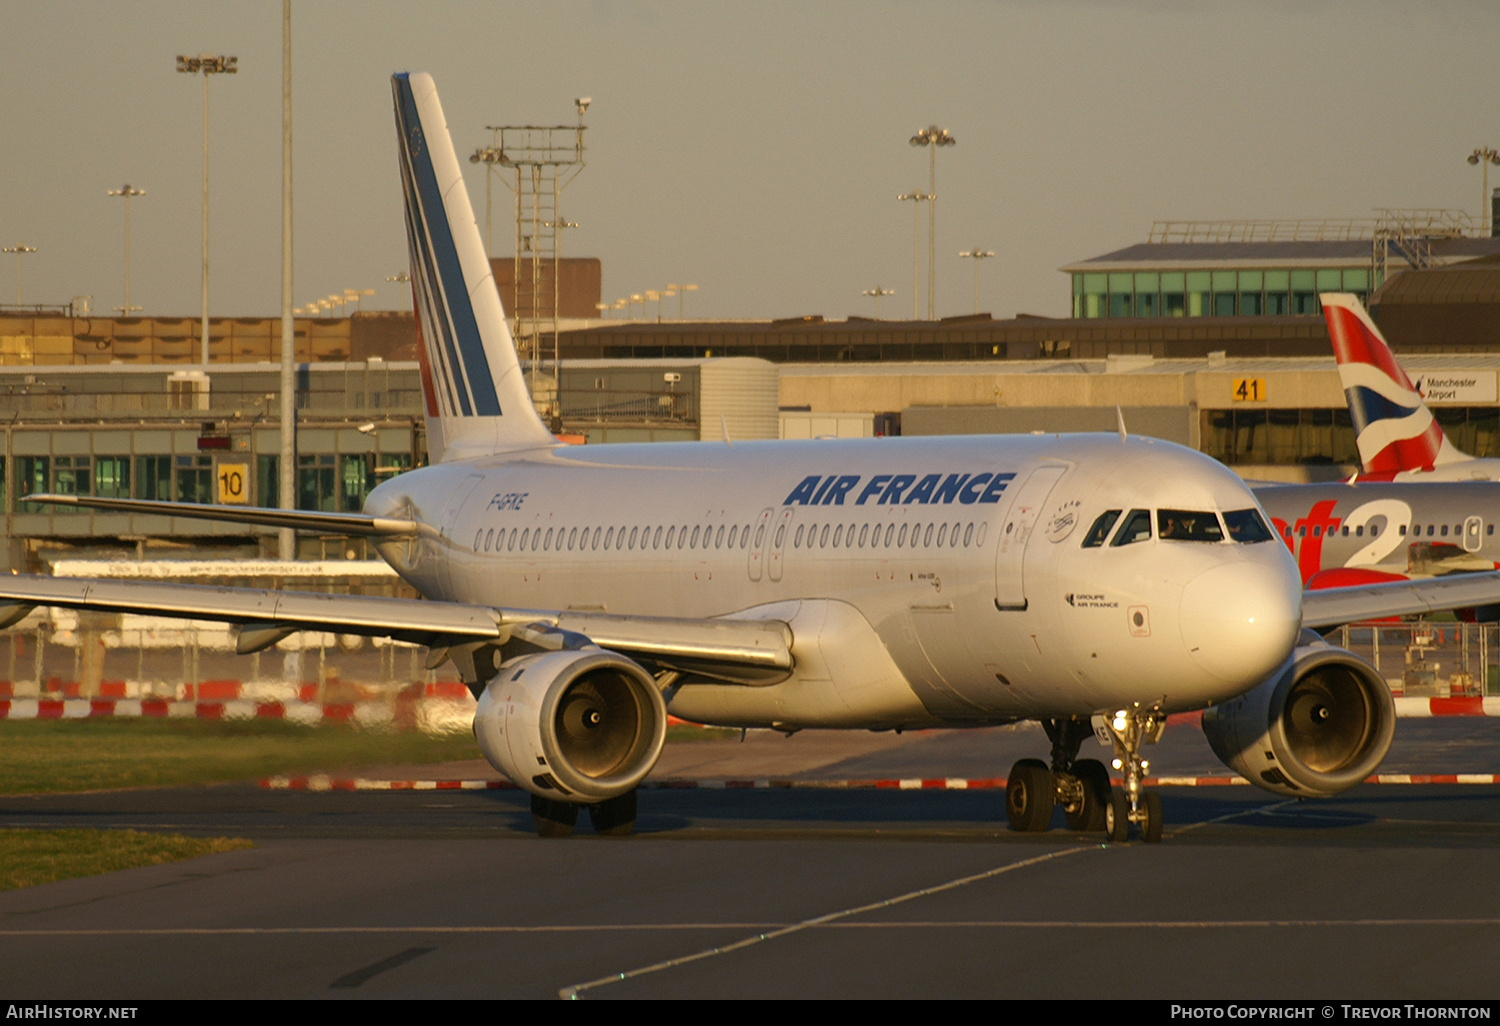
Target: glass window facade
(1213,293)
(1313,436)
(315,482)
(193,479)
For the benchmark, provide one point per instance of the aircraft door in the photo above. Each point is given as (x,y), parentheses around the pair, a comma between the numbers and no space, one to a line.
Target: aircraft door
(758,544)
(778,542)
(452,536)
(1473,534)
(1015,531)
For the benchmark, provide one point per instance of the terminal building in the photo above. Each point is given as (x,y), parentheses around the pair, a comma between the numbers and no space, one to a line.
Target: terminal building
(1267,268)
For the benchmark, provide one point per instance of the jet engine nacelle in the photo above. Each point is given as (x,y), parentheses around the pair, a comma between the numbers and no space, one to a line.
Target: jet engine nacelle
(1317,728)
(580,725)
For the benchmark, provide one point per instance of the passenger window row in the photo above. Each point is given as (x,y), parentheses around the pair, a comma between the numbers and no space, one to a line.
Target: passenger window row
(1317,531)
(699,537)
(1442,530)
(888,536)
(1416,530)
(576,539)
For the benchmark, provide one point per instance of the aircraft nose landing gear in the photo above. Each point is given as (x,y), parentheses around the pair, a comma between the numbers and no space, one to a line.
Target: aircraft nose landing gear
(1127,730)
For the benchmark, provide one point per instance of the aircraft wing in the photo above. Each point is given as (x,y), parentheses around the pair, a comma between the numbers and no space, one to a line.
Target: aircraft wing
(1329,607)
(302,520)
(741,651)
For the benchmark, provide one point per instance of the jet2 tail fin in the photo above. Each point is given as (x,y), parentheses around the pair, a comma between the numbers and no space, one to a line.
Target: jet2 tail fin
(475,393)
(1392,424)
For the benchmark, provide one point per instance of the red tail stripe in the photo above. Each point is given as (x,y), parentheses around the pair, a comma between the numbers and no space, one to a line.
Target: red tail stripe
(1353,343)
(1419,453)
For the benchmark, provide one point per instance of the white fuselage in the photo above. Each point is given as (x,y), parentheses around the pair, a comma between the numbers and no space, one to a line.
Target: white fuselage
(1461,470)
(926,580)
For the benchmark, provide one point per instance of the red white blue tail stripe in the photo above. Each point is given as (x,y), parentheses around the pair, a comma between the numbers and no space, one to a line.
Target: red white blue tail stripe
(1394,429)
(476,399)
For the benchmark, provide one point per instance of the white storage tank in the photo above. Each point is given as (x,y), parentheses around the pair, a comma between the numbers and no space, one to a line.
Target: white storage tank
(740,394)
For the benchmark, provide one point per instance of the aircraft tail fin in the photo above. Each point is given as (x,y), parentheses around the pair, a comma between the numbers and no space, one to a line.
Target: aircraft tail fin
(473,388)
(1394,428)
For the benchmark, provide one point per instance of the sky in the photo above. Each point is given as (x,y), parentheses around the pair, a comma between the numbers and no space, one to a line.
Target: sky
(754,149)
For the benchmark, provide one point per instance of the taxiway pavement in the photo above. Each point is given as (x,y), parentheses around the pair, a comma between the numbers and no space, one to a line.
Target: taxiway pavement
(1385,892)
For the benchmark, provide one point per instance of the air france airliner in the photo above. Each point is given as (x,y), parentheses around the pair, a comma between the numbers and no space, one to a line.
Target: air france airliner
(1095,583)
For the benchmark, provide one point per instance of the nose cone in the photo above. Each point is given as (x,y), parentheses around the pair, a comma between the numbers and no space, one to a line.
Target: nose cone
(1241,620)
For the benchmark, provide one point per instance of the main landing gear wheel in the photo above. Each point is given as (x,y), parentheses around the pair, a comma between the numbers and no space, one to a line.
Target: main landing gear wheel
(1029,796)
(614,817)
(1088,811)
(553,818)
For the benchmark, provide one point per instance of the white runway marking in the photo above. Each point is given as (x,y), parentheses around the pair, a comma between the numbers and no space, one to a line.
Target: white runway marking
(575,991)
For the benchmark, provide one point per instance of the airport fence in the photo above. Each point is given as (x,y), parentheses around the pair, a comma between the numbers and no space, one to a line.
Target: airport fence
(1430,659)
(60,654)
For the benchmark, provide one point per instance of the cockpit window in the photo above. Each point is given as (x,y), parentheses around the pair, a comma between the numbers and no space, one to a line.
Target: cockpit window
(1188,525)
(1247,525)
(1137,527)
(1100,530)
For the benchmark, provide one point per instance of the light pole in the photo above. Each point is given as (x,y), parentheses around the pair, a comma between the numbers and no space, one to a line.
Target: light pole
(680,289)
(126,192)
(401,278)
(356,295)
(976,254)
(1484,157)
(206,65)
(877,292)
(20,249)
(489,156)
(932,137)
(286,470)
(916,196)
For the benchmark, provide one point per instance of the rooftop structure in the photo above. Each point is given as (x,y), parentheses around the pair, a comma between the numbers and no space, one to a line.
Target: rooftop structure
(1267,268)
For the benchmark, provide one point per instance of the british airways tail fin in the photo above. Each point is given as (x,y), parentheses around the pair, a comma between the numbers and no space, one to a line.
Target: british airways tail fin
(476,398)
(1392,425)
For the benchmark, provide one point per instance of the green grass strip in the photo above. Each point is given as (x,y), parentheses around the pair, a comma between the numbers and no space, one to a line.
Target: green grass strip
(50,756)
(31,857)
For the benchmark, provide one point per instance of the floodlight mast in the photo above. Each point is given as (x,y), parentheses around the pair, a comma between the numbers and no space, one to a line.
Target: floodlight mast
(917,196)
(20,249)
(877,292)
(545,158)
(206,65)
(976,254)
(126,192)
(1484,157)
(286,480)
(932,137)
